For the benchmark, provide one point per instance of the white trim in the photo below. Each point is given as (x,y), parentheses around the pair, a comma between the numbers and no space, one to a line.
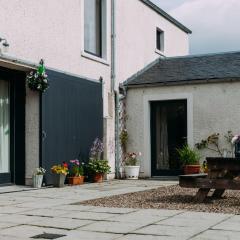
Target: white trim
(105,32)
(94,58)
(146,165)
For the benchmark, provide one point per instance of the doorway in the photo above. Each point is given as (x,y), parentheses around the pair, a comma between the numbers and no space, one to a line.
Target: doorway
(12,126)
(168,133)
(4,131)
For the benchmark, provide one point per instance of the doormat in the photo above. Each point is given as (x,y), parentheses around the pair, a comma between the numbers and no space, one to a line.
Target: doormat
(48,236)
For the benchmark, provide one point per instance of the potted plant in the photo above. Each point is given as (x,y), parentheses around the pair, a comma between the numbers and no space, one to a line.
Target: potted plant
(76,173)
(131,165)
(38,177)
(190,159)
(59,174)
(97,168)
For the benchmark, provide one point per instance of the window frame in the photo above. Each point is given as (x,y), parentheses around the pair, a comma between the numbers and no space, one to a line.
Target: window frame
(160,37)
(100,55)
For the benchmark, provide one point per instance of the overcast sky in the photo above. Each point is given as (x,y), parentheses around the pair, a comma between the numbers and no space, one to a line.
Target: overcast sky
(215,23)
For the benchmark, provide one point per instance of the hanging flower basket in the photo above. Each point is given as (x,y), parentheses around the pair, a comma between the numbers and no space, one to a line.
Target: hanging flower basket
(38,80)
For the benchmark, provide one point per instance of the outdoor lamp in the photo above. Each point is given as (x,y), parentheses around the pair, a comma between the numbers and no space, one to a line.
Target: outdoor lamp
(5,44)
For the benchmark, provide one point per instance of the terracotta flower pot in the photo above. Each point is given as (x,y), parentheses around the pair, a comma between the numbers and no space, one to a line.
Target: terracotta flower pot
(191,169)
(76,180)
(98,177)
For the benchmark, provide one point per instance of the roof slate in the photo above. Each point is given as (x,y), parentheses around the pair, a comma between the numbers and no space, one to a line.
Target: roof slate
(188,69)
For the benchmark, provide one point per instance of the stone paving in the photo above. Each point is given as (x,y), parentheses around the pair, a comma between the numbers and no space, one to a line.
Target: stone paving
(29,213)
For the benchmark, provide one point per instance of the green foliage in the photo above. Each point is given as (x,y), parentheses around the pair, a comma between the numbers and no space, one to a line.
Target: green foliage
(188,156)
(131,159)
(123,137)
(98,166)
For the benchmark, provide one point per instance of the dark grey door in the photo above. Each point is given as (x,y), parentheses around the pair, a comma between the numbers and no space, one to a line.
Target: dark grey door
(72,117)
(168,133)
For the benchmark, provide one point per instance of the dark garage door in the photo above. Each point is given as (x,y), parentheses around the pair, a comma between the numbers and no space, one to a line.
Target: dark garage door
(72,117)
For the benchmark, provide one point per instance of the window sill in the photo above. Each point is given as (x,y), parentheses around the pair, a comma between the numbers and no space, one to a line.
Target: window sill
(94,58)
(159,52)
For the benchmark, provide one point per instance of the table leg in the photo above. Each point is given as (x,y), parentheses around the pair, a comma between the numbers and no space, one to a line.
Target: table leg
(218,193)
(202,194)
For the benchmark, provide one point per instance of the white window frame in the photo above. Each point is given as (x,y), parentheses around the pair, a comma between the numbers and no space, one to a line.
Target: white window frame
(162,41)
(104,58)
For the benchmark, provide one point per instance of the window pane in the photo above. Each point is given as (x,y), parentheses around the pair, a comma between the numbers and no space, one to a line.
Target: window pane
(92,26)
(4,127)
(160,40)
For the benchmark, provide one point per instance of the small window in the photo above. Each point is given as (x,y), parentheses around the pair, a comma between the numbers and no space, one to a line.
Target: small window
(93,27)
(160,40)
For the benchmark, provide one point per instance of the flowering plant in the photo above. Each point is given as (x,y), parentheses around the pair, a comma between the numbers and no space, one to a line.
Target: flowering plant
(60,169)
(235,139)
(38,80)
(76,168)
(39,171)
(98,166)
(96,149)
(131,158)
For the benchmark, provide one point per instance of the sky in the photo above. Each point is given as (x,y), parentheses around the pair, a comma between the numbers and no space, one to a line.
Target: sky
(215,23)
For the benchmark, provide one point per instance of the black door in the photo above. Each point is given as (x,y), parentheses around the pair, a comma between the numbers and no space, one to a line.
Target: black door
(72,117)
(12,126)
(168,132)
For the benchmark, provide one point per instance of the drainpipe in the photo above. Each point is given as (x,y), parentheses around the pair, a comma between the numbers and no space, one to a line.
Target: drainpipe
(113,44)
(113,82)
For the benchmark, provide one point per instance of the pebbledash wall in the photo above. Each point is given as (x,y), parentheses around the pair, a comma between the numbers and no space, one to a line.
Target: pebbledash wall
(212,108)
(53,30)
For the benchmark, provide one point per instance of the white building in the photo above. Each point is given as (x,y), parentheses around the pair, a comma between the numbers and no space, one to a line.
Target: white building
(87,39)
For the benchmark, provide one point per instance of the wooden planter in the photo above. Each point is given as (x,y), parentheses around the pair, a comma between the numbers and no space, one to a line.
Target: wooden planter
(76,180)
(192,169)
(98,177)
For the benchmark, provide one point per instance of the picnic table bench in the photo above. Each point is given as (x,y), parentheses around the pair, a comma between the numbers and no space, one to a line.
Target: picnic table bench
(223,173)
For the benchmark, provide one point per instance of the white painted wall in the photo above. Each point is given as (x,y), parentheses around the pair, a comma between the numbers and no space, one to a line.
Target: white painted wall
(212,108)
(136,37)
(53,30)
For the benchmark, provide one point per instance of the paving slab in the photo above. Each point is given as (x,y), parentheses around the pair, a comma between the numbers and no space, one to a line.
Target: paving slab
(173,231)
(19,219)
(113,227)
(44,212)
(148,237)
(60,223)
(231,224)
(7,225)
(146,217)
(90,236)
(24,231)
(217,235)
(111,210)
(87,215)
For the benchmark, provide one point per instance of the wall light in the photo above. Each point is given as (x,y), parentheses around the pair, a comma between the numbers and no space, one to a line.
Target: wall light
(5,45)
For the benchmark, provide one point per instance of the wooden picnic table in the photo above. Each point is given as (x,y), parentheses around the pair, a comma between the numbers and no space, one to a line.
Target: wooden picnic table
(223,173)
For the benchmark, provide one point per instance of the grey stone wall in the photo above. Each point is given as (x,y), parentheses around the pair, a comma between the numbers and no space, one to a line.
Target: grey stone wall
(32,134)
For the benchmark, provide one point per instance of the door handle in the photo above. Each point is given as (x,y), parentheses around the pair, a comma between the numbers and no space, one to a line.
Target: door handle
(44,135)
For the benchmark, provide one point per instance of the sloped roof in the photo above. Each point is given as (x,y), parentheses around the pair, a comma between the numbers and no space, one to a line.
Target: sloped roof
(166,15)
(188,69)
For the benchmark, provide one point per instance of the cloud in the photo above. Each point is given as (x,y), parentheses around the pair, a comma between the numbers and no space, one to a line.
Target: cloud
(215,24)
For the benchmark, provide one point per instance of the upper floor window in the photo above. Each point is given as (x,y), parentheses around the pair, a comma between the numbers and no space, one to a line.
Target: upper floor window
(160,40)
(93,27)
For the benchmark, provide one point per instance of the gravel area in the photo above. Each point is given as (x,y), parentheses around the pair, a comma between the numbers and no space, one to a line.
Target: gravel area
(172,197)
